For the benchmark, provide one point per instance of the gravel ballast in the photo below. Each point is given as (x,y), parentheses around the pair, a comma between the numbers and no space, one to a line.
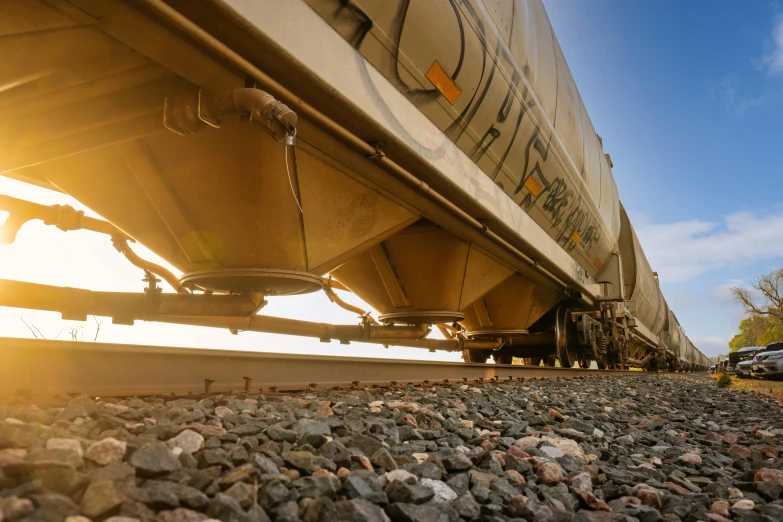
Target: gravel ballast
(646,448)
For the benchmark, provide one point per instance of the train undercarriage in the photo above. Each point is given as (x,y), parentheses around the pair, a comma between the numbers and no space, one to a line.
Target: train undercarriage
(217,135)
(565,336)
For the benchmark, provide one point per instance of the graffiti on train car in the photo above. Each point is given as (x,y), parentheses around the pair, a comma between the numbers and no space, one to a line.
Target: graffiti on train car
(495,98)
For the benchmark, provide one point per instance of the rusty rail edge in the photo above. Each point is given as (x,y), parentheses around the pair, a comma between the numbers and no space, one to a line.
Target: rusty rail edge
(34,368)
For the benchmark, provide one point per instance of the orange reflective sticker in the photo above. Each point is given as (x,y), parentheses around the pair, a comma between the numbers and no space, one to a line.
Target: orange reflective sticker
(575,237)
(598,264)
(443,82)
(533,186)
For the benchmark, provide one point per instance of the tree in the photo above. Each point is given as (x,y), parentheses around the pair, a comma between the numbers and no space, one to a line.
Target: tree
(75,331)
(756,330)
(769,288)
(763,301)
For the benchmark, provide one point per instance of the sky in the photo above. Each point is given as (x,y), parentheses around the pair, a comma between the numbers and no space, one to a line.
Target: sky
(688,99)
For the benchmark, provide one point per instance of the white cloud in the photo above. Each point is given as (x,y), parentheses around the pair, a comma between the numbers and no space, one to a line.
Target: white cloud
(683,250)
(723,293)
(774,60)
(731,95)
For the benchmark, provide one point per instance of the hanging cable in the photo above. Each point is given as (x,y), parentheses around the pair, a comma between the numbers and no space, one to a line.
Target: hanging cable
(290,143)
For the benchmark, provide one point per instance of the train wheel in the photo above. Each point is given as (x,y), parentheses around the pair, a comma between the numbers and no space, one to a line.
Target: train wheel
(601,364)
(549,361)
(584,363)
(534,361)
(475,356)
(565,338)
(502,358)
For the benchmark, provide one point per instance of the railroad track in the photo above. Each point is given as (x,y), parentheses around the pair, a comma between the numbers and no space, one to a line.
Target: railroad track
(41,369)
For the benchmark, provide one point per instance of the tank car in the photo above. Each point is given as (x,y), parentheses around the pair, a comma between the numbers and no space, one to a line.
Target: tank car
(433,157)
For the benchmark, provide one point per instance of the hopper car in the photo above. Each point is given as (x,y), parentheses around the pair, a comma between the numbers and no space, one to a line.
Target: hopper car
(433,157)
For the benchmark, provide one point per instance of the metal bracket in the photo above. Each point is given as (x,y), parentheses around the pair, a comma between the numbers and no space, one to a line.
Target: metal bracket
(151,296)
(203,115)
(379,153)
(167,120)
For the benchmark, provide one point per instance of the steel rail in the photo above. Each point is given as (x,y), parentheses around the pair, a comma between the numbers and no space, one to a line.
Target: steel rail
(41,369)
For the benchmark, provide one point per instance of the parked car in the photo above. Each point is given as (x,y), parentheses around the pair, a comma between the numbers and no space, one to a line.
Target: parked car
(741,361)
(759,367)
(712,369)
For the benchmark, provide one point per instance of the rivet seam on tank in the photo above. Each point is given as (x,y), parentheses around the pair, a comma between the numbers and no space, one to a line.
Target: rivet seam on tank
(443,82)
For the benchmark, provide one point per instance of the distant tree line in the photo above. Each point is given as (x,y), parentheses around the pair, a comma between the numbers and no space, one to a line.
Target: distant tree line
(763,302)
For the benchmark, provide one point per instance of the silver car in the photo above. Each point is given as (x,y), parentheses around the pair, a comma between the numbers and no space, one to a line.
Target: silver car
(769,365)
(743,368)
(740,362)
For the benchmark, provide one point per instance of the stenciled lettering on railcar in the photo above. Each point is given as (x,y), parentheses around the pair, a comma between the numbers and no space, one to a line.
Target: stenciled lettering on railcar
(572,221)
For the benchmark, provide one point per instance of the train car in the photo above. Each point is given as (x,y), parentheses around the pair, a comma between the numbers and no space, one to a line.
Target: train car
(696,361)
(702,361)
(448,174)
(646,303)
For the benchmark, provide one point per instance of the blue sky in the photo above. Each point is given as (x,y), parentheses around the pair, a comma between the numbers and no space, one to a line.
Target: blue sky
(688,98)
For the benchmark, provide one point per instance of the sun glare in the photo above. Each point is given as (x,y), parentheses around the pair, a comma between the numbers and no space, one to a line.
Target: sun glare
(83,259)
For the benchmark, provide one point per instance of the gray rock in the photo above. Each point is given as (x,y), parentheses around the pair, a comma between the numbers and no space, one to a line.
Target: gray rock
(307,462)
(57,504)
(272,495)
(244,473)
(101,499)
(160,495)
(188,441)
(311,426)
(443,493)
(215,457)
(321,486)
(243,493)
(154,458)
(457,462)
(412,513)
(398,491)
(504,490)
(59,479)
(466,506)
(287,512)
(383,459)
(106,451)
(355,487)
(280,434)
(359,510)
(320,510)
(364,443)
(226,509)
(257,514)
(13,507)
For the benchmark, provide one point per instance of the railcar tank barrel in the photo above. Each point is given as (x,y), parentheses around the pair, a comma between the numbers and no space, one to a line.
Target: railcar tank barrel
(303,108)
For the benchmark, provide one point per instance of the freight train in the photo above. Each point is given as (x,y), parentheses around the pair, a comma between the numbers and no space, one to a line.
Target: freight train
(433,157)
